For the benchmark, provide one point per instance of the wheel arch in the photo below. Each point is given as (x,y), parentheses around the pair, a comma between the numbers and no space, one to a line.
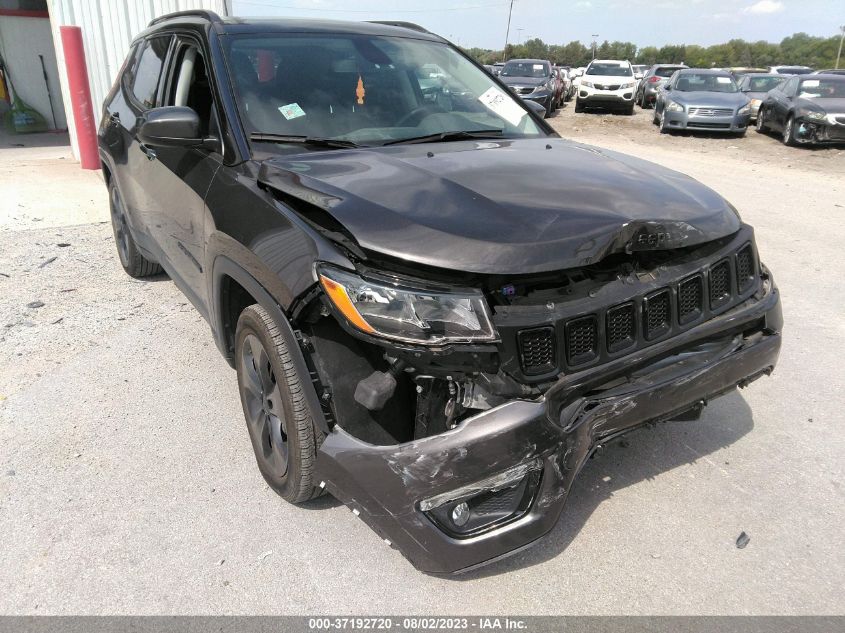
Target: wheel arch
(232,286)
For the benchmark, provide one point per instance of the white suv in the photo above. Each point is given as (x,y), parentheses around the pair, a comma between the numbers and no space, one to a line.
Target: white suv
(607,83)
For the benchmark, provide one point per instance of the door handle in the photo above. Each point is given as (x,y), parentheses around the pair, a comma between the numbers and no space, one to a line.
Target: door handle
(149,151)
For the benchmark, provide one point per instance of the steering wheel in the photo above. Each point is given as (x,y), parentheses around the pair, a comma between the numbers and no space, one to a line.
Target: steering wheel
(416,115)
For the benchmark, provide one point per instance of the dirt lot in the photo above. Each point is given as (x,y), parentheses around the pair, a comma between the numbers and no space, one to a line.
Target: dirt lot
(127,482)
(636,134)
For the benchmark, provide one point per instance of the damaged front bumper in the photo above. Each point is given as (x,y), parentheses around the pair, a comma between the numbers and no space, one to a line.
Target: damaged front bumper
(517,462)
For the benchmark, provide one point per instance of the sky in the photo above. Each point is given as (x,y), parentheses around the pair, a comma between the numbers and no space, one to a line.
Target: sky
(483,23)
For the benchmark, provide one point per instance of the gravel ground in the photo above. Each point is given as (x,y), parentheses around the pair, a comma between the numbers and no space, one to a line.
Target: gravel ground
(127,483)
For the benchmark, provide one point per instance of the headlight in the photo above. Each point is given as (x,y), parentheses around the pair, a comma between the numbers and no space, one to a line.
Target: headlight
(755,103)
(746,109)
(587,84)
(628,85)
(393,310)
(674,107)
(815,116)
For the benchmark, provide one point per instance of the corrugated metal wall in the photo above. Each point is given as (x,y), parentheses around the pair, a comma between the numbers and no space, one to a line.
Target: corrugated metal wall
(108,27)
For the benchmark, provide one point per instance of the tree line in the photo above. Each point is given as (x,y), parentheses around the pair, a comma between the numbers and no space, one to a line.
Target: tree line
(798,49)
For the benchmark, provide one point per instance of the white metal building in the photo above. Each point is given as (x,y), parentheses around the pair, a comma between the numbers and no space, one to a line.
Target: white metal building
(108,27)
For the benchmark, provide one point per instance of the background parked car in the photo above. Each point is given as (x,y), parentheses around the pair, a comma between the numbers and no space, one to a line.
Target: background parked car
(566,84)
(807,110)
(532,79)
(607,83)
(702,100)
(739,72)
(791,70)
(829,71)
(654,77)
(756,87)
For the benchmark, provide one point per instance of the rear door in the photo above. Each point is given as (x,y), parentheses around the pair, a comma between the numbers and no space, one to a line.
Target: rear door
(782,102)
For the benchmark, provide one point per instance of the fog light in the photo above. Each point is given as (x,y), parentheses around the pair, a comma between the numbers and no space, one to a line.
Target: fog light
(460,514)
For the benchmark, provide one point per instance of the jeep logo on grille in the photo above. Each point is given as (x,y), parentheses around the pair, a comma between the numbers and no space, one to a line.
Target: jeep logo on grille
(652,240)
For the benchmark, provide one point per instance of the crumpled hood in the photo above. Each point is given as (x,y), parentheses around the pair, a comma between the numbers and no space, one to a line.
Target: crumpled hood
(502,207)
(826,105)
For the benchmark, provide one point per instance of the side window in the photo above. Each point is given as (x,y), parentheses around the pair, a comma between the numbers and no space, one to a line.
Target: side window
(191,87)
(147,70)
(790,87)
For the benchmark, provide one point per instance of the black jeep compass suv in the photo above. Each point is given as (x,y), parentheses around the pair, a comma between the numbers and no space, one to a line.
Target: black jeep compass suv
(436,307)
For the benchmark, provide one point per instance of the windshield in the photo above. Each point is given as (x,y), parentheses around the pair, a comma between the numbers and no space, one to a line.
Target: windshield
(538,70)
(610,70)
(822,88)
(764,84)
(691,82)
(366,90)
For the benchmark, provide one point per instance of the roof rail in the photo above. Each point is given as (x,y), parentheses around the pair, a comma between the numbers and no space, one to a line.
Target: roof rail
(211,16)
(404,25)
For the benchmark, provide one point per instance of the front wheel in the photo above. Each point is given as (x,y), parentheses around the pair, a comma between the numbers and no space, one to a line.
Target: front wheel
(761,125)
(579,107)
(284,438)
(788,137)
(629,110)
(664,125)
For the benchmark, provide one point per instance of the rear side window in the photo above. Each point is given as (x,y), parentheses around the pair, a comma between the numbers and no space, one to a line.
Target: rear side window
(147,70)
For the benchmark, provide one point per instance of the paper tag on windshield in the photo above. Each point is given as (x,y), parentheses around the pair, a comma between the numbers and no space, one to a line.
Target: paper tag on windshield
(810,83)
(723,80)
(538,66)
(291,111)
(502,105)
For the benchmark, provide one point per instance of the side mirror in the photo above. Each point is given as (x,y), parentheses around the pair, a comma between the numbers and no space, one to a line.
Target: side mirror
(535,107)
(172,126)
(667,87)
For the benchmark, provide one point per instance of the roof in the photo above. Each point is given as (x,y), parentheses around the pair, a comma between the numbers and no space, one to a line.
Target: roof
(704,71)
(238,25)
(621,62)
(530,61)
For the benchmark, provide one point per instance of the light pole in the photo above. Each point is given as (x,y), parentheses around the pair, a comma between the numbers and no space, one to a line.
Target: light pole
(519,35)
(507,33)
(839,54)
(595,35)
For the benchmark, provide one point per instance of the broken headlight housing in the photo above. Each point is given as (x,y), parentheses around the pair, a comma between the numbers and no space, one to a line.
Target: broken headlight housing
(396,310)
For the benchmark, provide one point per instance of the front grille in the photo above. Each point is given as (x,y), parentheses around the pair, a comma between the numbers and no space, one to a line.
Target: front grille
(711,111)
(690,299)
(709,126)
(744,268)
(581,338)
(644,317)
(607,87)
(537,350)
(657,314)
(621,332)
(720,284)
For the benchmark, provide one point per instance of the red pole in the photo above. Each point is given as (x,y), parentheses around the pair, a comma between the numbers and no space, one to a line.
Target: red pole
(80,96)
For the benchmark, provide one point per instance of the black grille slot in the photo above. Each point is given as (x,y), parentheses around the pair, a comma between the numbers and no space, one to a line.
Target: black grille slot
(720,284)
(620,327)
(690,299)
(657,314)
(581,340)
(537,350)
(744,268)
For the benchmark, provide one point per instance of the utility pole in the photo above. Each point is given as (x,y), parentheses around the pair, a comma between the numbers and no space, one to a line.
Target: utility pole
(507,33)
(595,35)
(839,54)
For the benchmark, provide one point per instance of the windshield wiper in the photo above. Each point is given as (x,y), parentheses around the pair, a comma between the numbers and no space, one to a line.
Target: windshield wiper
(317,141)
(444,137)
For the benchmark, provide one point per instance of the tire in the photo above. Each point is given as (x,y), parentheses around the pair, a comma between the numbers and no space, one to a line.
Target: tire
(788,137)
(654,119)
(579,107)
(629,110)
(549,110)
(761,125)
(281,429)
(135,264)
(664,128)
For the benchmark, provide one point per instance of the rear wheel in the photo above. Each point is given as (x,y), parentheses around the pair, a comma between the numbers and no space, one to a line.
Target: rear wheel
(135,264)
(284,438)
